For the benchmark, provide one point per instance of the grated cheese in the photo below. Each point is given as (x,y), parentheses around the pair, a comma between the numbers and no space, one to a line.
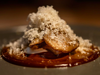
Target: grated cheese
(84,45)
(46,21)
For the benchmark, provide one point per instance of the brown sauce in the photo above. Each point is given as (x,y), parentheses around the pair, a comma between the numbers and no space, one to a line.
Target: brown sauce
(48,59)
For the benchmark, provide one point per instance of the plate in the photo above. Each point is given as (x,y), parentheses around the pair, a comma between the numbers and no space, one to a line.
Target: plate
(91,68)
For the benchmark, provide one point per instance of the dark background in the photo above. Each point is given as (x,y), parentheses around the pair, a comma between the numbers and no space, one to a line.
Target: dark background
(76,12)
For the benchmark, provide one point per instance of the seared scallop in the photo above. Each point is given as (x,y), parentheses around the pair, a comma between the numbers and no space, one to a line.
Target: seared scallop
(36,41)
(60,43)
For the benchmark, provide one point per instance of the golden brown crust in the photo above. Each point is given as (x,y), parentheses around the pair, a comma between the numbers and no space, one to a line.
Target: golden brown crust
(64,47)
(36,41)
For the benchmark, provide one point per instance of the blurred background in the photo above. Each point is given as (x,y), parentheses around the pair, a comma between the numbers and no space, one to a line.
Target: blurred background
(75,12)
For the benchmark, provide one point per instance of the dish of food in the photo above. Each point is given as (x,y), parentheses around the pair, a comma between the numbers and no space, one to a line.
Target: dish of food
(49,42)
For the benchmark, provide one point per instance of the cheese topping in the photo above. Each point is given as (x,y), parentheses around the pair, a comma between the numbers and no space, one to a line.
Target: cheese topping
(46,21)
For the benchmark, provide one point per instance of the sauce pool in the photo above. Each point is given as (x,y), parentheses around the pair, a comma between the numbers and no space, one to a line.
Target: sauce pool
(48,59)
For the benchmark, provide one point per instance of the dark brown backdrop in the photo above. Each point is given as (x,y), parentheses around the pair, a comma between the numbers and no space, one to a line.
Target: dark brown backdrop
(76,12)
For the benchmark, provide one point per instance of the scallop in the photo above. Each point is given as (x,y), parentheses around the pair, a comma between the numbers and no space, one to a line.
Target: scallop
(60,44)
(36,41)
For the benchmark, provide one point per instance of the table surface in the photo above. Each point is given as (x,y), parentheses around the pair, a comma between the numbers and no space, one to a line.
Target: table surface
(91,68)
